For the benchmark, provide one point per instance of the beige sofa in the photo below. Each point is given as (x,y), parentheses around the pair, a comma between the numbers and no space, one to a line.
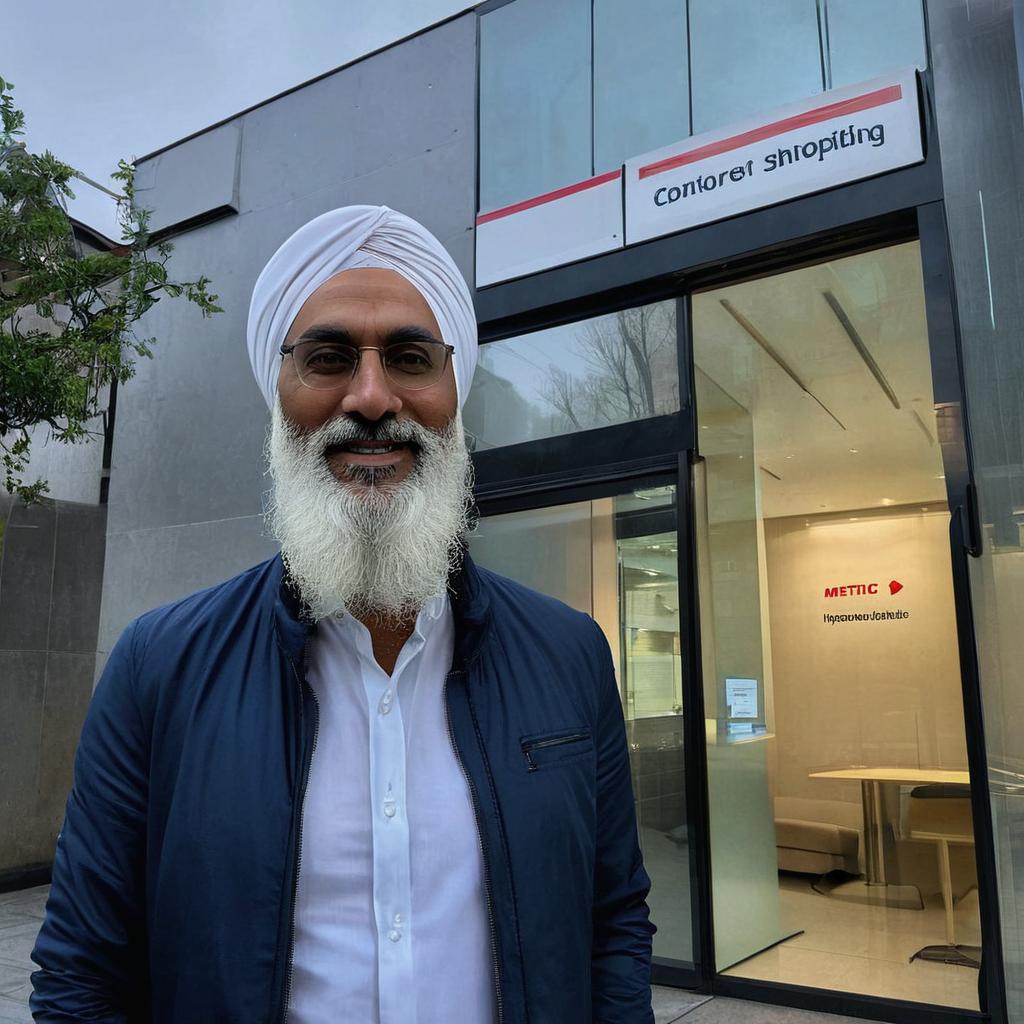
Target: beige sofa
(815,837)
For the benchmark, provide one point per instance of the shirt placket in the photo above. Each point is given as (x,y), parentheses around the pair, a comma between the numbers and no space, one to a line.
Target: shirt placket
(392,883)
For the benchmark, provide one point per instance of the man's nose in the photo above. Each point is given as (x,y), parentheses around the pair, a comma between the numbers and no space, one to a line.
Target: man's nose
(370,394)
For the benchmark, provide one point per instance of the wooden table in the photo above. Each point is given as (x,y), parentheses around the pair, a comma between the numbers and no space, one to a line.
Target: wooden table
(871,780)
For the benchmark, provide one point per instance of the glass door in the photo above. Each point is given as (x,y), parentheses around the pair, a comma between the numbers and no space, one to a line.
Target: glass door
(616,558)
(841,839)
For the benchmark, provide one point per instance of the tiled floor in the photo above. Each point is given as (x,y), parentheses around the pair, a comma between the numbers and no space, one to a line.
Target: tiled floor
(867,948)
(719,1010)
(21,912)
(20,915)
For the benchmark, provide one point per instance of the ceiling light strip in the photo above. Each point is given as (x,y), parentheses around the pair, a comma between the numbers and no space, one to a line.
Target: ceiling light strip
(775,357)
(862,349)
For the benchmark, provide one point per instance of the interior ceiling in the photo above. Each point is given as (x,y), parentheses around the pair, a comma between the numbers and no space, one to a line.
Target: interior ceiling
(833,438)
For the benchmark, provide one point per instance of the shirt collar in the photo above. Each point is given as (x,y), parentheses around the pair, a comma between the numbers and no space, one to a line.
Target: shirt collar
(426,620)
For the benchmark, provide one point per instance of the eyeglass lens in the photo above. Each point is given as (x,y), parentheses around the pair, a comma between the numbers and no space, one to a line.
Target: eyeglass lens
(408,364)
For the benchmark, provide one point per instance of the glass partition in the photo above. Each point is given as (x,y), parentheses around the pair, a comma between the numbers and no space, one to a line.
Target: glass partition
(594,373)
(748,57)
(535,106)
(616,559)
(641,78)
(869,37)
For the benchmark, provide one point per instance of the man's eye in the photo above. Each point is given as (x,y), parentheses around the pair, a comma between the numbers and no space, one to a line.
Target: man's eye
(409,358)
(330,359)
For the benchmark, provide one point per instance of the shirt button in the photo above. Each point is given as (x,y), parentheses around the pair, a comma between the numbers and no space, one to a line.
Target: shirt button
(385,702)
(394,935)
(389,808)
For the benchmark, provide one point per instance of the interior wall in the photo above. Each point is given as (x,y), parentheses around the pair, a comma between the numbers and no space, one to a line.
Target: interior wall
(849,693)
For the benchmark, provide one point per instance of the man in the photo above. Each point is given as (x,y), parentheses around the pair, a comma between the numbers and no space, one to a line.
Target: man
(365,781)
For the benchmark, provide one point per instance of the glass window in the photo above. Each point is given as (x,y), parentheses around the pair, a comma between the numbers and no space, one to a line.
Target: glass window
(568,89)
(615,559)
(611,369)
(840,818)
(750,57)
(870,37)
(641,78)
(535,109)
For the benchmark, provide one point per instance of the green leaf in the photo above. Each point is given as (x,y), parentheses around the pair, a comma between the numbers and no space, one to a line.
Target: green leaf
(67,320)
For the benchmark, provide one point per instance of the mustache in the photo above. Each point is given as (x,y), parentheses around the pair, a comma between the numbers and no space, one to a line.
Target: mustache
(345,429)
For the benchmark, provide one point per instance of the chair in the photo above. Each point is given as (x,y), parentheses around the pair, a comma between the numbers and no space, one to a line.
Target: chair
(940,813)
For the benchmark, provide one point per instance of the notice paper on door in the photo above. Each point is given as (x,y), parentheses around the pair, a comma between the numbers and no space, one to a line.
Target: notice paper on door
(741,696)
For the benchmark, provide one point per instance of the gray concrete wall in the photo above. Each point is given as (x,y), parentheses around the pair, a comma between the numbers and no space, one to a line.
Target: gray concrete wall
(50,580)
(397,128)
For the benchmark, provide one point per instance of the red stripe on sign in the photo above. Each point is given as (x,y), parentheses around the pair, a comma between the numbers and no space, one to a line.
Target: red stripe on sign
(548,197)
(878,98)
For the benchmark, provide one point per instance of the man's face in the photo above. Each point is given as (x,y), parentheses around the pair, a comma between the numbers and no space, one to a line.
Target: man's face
(365,307)
(371,532)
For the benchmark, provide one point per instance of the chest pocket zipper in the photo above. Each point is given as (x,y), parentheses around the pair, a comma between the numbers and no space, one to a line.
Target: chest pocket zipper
(529,746)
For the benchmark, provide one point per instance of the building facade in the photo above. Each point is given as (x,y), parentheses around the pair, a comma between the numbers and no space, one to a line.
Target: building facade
(749,393)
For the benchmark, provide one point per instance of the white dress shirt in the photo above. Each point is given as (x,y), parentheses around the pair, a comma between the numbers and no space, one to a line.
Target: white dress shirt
(391,923)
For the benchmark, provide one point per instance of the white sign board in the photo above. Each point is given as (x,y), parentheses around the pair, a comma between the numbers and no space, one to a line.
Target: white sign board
(570,223)
(837,137)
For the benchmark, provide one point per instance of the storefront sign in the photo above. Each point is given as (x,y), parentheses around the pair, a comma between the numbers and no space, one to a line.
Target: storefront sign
(861,589)
(857,612)
(838,137)
(570,223)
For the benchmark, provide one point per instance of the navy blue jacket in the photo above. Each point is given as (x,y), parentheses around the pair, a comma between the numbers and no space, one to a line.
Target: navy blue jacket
(174,875)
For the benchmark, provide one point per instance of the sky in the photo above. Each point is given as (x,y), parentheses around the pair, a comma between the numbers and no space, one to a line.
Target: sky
(108,79)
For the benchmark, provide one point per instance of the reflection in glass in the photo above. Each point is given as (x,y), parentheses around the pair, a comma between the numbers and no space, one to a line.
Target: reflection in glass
(641,85)
(869,37)
(615,559)
(535,108)
(750,57)
(611,369)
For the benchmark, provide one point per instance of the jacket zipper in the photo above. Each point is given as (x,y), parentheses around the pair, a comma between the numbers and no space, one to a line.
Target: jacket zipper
(483,850)
(530,746)
(301,677)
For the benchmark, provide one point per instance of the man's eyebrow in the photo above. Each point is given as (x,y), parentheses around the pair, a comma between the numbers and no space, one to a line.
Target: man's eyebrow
(326,332)
(411,332)
(338,335)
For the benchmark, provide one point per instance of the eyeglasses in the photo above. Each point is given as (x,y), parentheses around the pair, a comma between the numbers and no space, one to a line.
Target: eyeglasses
(411,365)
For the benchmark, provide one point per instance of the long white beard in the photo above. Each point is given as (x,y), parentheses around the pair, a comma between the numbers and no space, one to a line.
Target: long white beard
(372,548)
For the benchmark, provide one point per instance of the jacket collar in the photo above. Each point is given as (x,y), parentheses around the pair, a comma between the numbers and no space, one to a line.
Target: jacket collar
(293,627)
(471,608)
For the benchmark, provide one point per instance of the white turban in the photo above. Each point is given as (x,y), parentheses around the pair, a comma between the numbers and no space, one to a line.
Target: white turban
(343,239)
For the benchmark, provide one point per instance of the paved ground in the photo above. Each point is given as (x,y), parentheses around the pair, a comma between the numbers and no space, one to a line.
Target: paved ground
(21,912)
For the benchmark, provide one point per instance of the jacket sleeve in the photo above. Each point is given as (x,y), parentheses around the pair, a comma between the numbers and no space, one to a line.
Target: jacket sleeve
(621,950)
(91,949)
